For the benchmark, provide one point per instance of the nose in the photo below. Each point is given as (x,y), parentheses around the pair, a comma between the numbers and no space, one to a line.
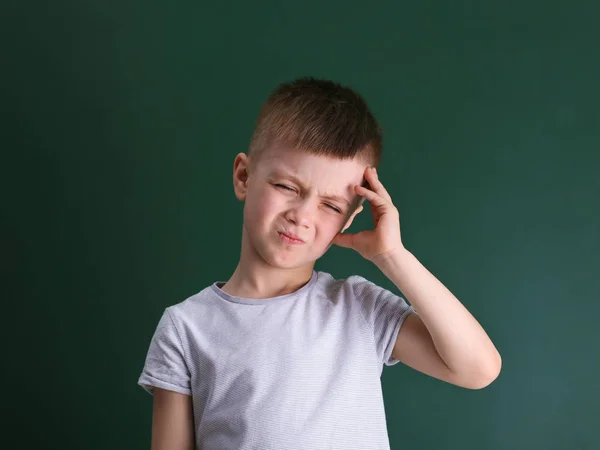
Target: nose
(301,214)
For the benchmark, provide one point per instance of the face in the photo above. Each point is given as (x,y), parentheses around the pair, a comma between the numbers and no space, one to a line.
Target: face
(295,203)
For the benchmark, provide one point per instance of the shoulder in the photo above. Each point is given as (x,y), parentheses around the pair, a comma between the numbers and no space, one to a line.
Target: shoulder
(352,286)
(372,299)
(353,281)
(191,307)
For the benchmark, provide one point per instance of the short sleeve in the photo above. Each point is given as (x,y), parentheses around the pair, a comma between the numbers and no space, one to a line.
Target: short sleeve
(384,312)
(165,365)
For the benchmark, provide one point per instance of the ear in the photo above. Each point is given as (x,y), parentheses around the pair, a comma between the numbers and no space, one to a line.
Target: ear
(241,166)
(351,218)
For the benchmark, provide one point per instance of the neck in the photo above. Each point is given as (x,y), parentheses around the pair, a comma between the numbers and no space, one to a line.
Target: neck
(255,278)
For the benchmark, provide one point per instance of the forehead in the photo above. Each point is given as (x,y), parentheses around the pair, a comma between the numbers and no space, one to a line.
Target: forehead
(317,170)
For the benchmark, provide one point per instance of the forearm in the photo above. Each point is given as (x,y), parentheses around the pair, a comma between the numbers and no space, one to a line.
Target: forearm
(458,338)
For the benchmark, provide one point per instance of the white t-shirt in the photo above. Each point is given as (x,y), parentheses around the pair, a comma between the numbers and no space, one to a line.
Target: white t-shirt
(298,371)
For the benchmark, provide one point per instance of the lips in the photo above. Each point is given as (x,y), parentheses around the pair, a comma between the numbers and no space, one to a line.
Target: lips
(291,236)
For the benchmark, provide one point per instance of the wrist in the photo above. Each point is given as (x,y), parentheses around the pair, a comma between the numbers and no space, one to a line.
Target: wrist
(390,259)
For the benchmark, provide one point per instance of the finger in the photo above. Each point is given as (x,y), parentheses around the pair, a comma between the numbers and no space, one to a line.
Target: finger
(376,184)
(343,240)
(372,196)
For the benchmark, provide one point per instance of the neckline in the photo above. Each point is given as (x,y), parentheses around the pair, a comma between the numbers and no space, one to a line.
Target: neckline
(216,288)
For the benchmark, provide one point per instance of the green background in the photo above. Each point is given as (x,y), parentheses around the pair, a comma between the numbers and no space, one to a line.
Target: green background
(120,122)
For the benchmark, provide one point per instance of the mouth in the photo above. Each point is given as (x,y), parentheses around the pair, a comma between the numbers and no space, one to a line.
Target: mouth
(290,238)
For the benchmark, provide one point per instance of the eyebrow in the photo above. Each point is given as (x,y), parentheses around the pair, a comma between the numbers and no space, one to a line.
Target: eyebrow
(299,182)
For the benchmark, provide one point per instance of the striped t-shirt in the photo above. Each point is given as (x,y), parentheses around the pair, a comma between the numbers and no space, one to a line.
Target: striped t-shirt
(298,371)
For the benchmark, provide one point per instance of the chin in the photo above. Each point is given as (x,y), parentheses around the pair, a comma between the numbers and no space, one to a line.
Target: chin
(286,261)
(275,257)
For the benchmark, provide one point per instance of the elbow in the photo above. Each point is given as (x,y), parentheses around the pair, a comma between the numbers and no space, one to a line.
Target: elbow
(487,372)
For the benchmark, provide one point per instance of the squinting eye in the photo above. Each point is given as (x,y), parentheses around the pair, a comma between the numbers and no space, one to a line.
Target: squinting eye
(334,208)
(287,188)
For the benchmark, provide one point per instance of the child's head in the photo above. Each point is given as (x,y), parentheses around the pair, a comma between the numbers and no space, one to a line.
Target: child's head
(312,142)
(318,117)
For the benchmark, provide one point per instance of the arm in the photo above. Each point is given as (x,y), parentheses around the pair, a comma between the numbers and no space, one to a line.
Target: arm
(172,421)
(444,340)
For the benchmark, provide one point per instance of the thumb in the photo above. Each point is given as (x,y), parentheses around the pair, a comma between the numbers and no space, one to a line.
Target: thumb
(344,240)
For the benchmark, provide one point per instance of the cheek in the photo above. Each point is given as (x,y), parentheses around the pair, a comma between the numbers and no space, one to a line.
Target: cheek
(330,226)
(261,206)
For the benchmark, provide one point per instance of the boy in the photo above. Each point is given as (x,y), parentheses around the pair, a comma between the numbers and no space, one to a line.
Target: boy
(284,357)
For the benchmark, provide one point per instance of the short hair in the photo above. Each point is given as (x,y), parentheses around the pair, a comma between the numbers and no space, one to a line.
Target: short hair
(320,117)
